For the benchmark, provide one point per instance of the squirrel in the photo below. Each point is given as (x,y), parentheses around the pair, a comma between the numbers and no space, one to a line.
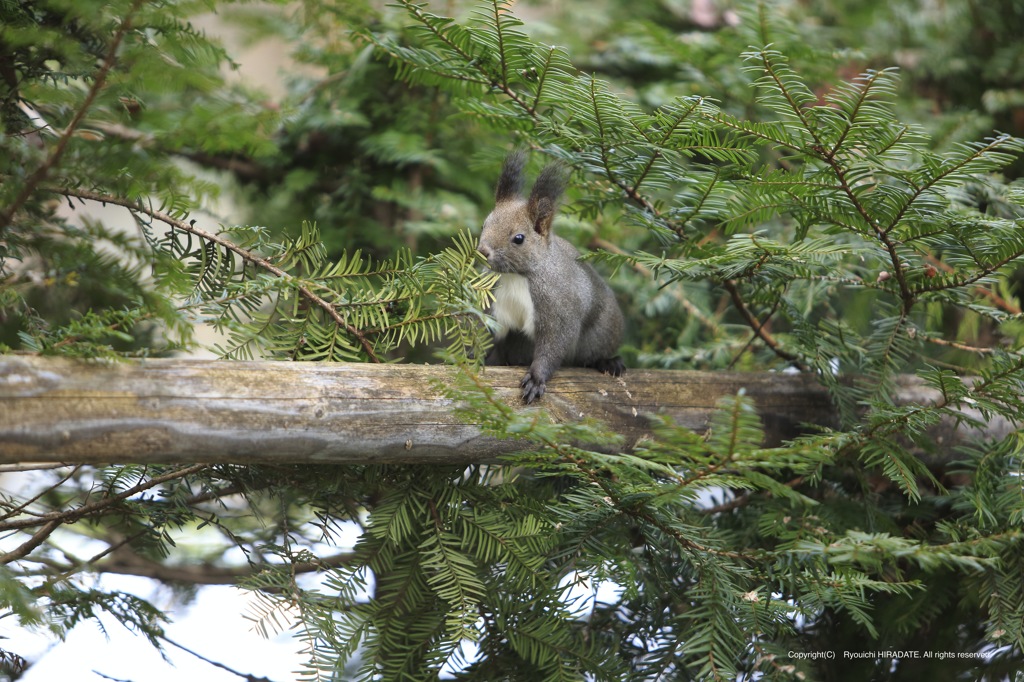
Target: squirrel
(550,308)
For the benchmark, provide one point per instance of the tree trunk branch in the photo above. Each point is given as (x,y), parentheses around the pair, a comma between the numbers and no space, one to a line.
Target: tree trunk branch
(200,411)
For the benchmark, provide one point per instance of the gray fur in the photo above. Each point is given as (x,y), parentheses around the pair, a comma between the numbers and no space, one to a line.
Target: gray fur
(576,319)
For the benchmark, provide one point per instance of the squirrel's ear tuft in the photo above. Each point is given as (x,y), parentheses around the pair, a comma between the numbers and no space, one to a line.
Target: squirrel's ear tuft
(510,184)
(545,195)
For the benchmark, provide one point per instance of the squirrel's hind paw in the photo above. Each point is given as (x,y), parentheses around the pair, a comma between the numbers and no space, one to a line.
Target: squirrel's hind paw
(613,366)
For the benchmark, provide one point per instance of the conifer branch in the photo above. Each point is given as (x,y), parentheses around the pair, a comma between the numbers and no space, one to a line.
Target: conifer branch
(985,271)
(746,128)
(863,95)
(498,28)
(797,109)
(979,152)
(698,205)
(489,78)
(665,137)
(92,508)
(655,155)
(99,82)
(573,456)
(304,290)
(907,295)
(542,79)
(647,517)
(898,424)
(995,298)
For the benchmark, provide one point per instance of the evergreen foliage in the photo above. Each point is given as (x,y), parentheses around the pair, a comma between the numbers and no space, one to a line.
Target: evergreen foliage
(778,213)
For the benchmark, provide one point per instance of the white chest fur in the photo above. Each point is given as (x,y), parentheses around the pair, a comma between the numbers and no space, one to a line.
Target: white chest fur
(513,307)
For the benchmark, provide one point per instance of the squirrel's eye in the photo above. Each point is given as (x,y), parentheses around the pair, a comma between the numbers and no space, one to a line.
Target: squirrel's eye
(519,239)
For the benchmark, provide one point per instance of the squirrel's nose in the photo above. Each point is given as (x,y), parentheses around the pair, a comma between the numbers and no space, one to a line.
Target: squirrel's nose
(485,251)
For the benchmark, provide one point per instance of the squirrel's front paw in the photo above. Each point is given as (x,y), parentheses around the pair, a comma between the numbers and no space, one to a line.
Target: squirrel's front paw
(533,387)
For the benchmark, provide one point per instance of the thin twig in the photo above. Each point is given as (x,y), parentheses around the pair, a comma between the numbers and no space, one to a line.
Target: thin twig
(27,503)
(72,515)
(212,575)
(760,326)
(755,324)
(244,676)
(17,468)
(957,345)
(37,539)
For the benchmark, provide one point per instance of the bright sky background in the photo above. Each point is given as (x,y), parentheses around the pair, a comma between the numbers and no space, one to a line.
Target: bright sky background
(213,626)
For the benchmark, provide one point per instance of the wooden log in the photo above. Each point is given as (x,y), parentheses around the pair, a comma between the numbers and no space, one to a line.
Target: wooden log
(191,411)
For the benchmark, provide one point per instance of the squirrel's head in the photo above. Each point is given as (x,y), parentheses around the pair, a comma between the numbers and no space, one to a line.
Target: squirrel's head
(517,232)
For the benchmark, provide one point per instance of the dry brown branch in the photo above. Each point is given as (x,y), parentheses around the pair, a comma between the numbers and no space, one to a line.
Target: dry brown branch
(188,411)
